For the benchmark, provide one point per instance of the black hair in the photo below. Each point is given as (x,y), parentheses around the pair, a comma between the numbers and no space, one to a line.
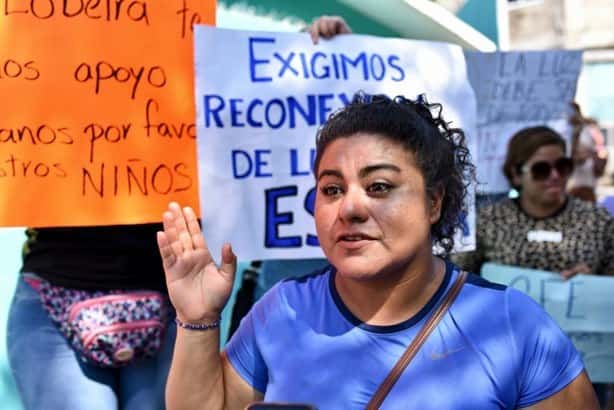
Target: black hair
(440,151)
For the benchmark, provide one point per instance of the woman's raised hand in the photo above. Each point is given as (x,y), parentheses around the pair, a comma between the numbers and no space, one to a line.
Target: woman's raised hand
(198,288)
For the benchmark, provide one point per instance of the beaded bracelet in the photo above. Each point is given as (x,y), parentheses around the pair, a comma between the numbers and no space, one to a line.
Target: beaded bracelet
(199,326)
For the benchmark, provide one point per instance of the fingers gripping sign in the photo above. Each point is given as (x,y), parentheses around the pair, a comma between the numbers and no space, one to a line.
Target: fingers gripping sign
(198,288)
(579,268)
(327,27)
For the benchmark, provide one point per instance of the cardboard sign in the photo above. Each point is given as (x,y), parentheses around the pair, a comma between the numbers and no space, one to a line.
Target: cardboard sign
(515,90)
(97,122)
(260,99)
(582,306)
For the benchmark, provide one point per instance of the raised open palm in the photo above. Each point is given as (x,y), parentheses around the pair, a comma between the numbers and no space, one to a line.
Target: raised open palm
(198,288)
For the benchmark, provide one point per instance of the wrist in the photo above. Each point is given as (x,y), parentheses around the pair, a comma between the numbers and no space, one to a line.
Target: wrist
(204,324)
(208,316)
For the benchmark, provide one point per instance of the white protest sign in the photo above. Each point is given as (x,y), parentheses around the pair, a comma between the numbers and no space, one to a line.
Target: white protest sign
(260,99)
(515,90)
(582,307)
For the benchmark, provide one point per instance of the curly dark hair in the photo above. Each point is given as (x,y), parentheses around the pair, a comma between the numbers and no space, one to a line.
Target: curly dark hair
(440,151)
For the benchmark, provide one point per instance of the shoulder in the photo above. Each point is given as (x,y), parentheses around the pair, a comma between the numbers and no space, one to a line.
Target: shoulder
(295,290)
(500,305)
(283,301)
(306,283)
(507,308)
(476,288)
(531,348)
(546,359)
(534,330)
(479,300)
(496,302)
(481,285)
(506,300)
(579,206)
(588,212)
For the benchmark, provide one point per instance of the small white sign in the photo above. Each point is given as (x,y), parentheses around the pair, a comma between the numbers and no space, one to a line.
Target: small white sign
(544,236)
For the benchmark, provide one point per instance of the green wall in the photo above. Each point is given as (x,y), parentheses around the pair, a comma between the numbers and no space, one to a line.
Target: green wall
(481,15)
(306,11)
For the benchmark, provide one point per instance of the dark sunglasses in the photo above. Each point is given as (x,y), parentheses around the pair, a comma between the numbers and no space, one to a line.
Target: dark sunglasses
(541,170)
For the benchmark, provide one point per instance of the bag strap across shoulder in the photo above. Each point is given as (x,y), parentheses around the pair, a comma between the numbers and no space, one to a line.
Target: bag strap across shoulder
(412,349)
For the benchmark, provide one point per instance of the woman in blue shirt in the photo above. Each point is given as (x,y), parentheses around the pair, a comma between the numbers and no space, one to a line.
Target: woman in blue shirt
(390,185)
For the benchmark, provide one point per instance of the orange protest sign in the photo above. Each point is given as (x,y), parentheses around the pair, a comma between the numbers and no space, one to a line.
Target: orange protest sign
(97,97)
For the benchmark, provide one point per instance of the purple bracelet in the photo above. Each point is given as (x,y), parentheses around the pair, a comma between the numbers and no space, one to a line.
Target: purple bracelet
(200,326)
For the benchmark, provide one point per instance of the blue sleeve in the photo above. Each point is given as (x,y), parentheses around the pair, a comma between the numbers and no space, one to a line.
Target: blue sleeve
(243,350)
(547,360)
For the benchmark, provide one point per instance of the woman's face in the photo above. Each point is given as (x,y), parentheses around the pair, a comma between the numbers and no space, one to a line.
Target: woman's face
(546,191)
(372,213)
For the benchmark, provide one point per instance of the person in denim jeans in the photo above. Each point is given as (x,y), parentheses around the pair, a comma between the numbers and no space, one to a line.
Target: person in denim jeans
(49,375)
(47,371)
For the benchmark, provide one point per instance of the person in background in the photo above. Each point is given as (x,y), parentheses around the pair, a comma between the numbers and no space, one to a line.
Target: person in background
(48,373)
(390,185)
(544,228)
(589,155)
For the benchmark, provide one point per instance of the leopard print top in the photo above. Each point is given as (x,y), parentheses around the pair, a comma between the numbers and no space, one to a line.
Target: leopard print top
(579,232)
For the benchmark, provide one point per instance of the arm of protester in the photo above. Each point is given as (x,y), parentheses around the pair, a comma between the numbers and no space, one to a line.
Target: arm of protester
(582,153)
(578,395)
(600,159)
(600,152)
(200,378)
(572,271)
(551,373)
(327,27)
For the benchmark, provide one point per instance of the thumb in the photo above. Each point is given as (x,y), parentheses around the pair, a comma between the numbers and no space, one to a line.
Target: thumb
(229,261)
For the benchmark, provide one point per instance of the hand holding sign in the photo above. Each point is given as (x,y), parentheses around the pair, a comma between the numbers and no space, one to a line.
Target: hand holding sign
(327,27)
(581,267)
(198,289)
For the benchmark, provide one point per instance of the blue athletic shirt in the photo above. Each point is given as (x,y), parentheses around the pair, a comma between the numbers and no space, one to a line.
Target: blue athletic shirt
(494,349)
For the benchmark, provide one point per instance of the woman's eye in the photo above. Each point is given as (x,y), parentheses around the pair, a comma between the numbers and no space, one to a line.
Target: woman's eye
(379,188)
(330,190)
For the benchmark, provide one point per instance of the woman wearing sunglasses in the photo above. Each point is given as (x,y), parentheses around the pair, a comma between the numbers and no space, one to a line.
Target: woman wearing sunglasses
(543,228)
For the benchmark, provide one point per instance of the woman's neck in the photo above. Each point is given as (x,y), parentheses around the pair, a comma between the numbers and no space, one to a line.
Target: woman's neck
(392,298)
(537,210)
